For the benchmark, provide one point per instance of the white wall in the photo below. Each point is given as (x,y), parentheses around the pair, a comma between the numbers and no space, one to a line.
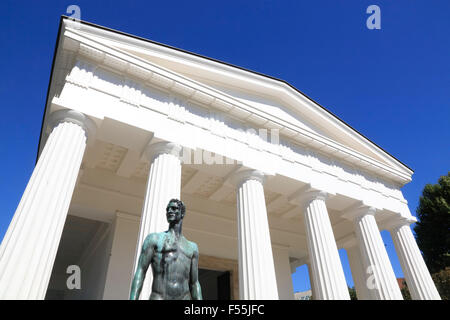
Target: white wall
(121,260)
(283,272)
(93,266)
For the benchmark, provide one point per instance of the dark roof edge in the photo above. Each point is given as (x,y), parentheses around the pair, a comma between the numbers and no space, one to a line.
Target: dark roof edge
(218,61)
(49,84)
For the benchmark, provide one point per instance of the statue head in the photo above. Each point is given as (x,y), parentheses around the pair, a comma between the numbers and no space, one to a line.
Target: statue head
(175,211)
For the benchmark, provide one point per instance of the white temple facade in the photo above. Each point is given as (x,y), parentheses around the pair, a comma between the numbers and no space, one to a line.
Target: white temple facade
(270,179)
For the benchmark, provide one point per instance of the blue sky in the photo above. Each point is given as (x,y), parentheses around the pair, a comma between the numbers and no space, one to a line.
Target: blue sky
(392,85)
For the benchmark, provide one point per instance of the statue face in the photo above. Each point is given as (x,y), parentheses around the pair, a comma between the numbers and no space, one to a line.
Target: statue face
(173,212)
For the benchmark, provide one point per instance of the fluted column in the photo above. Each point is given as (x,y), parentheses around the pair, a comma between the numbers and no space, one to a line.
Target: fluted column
(163,184)
(327,275)
(257,278)
(29,247)
(417,276)
(359,274)
(382,283)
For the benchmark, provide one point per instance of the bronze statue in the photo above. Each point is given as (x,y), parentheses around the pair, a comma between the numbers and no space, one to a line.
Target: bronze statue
(174,261)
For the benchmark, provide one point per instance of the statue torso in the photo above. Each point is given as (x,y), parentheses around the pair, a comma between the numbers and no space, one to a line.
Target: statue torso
(171,266)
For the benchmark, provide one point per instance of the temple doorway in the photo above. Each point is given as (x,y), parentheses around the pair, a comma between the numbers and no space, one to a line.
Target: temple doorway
(216,285)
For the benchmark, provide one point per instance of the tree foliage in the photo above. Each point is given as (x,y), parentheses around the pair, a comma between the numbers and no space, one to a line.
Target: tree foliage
(352,292)
(433,228)
(442,282)
(405,291)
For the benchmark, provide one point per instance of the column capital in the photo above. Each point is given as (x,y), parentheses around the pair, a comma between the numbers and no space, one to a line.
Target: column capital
(238,178)
(306,195)
(359,210)
(397,222)
(67,115)
(155,149)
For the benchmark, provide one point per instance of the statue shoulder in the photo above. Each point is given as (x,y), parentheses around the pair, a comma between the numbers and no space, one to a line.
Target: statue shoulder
(189,248)
(192,245)
(152,239)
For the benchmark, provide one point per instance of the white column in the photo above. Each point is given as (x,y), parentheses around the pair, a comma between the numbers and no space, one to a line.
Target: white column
(327,274)
(163,184)
(257,280)
(382,283)
(417,276)
(358,273)
(29,247)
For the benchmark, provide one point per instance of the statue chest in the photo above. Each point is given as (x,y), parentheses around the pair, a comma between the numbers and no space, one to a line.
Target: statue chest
(173,256)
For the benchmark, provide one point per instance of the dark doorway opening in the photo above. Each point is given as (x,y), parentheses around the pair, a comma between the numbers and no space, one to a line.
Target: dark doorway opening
(215,284)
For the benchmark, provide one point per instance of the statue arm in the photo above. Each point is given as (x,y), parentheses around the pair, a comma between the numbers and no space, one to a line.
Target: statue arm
(196,291)
(141,270)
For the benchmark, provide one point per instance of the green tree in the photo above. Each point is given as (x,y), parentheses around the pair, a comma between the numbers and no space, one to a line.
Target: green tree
(352,293)
(442,281)
(433,228)
(405,291)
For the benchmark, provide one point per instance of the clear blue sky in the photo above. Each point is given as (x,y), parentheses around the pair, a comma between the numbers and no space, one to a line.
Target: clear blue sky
(392,85)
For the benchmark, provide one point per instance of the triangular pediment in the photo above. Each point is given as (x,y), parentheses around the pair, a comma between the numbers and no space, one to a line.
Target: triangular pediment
(271,96)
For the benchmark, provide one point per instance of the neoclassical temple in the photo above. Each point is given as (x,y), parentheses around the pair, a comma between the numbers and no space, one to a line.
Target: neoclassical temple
(271,181)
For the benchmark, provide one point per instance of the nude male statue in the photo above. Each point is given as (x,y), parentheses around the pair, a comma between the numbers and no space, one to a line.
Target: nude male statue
(174,261)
